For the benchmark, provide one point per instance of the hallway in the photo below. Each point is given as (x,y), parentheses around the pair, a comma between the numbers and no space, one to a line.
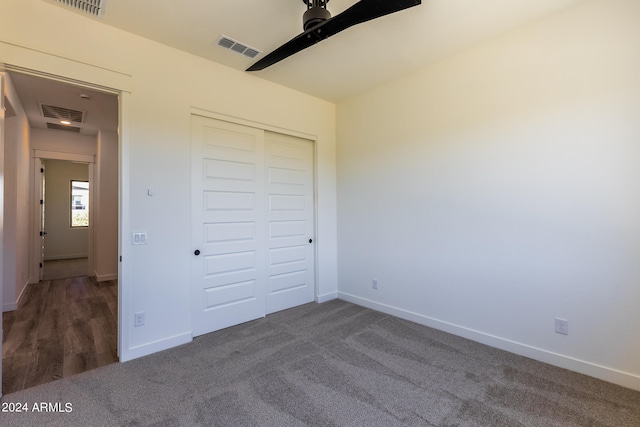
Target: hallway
(64,268)
(62,328)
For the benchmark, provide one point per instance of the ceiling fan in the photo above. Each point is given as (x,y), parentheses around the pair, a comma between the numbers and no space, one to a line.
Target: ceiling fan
(319,25)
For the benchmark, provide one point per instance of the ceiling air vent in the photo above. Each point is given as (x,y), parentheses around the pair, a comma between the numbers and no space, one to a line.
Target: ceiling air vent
(62,113)
(56,126)
(237,47)
(92,7)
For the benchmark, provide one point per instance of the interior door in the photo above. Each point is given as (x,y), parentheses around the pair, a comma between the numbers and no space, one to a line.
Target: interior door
(252,223)
(290,219)
(228,229)
(40,182)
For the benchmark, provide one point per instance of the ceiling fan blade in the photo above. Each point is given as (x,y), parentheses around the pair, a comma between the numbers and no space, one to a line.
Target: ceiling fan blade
(362,11)
(294,45)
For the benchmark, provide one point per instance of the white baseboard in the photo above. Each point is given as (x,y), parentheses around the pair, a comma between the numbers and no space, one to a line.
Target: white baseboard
(154,347)
(9,307)
(14,305)
(105,277)
(625,379)
(326,297)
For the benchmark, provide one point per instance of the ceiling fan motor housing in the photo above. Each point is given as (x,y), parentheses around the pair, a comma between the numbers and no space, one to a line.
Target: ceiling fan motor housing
(316,13)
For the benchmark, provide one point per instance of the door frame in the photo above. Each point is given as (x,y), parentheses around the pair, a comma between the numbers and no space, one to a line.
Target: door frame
(39,155)
(116,83)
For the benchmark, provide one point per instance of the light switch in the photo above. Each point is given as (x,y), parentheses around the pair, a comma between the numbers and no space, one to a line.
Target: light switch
(139,238)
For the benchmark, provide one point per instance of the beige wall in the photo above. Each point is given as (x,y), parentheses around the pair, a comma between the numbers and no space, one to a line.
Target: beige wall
(64,142)
(499,188)
(106,207)
(15,263)
(160,87)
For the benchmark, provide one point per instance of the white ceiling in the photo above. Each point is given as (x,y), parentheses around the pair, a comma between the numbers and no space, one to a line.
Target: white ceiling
(350,62)
(343,65)
(100,111)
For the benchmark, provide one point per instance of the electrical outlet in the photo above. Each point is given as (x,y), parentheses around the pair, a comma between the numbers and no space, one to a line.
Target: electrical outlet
(374,283)
(562,326)
(138,318)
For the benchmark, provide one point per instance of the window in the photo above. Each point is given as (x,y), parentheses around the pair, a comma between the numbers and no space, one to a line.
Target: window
(79,204)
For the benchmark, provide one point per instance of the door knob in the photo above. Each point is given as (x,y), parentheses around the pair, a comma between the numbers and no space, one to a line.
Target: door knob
(310,240)
(196,252)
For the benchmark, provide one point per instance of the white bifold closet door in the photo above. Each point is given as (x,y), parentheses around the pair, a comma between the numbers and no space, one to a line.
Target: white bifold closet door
(252,223)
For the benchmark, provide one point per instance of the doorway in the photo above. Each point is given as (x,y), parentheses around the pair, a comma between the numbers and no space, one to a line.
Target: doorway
(65,323)
(66,224)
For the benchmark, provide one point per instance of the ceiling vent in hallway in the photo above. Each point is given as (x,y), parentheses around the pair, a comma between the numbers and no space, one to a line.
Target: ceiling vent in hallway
(61,113)
(92,7)
(56,126)
(237,47)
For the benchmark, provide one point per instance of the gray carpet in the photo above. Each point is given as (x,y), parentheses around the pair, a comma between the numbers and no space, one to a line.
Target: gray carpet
(331,364)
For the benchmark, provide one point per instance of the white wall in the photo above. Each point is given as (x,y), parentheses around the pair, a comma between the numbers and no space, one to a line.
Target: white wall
(63,241)
(106,207)
(499,188)
(15,268)
(161,85)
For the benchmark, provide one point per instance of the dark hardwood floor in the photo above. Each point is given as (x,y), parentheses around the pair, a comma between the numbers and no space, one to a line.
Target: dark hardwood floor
(62,327)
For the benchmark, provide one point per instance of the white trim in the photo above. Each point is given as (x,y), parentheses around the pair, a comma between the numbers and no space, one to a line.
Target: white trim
(105,277)
(92,217)
(125,275)
(14,305)
(35,248)
(2,109)
(326,297)
(9,307)
(625,379)
(61,155)
(63,68)
(155,346)
(257,125)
